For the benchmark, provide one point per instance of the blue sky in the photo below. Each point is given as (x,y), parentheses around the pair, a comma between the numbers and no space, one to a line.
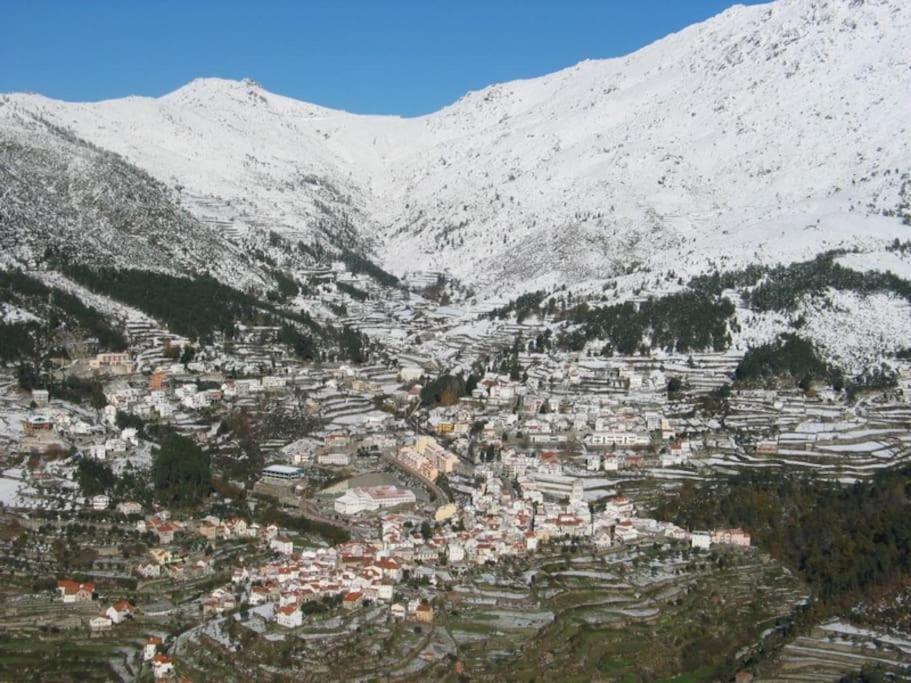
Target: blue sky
(367,56)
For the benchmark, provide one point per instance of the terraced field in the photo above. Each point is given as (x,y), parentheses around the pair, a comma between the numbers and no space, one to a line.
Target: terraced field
(633,611)
(834,649)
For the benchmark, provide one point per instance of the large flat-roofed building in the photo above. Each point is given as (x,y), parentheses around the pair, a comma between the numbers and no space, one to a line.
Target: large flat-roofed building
(369,498)
(282,473)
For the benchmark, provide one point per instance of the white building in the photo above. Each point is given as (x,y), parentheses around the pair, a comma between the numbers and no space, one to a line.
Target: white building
(370,498)
(289,616)
(701,539)
(336,459)
(281,473)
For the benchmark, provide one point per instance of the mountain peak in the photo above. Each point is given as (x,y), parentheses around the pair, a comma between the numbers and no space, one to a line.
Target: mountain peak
(213,85)
(752,126)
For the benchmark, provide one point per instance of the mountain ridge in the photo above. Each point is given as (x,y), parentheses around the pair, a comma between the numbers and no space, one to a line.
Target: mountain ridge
(716,145)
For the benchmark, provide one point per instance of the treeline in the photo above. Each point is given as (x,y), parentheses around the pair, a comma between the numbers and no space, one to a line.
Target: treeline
(302,344)
(58,310)
(358,264)
(201,307)
(195,308)
(787,357)
(781,288)
(95,477)
(785,285)
(844,541)
(792,358)
(353,261)
(683,321)
(181,474)
(286,287)
(20,340)
(714,284)
(523,306)
(352,291)
(271,514)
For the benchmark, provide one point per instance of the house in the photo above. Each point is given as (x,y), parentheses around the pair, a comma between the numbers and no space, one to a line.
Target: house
(119,611)
(150,648)
(626,532)
(410,374)
(165,532)
(99,624)
(258,595)
(162,666)
(207,530)
(423,613)
(397,611)
(114,361)
(610,463)
(336,458)
(100,502)
(40,396)
(737,537)
(390,568)
(282,544)
(71,591)
(353,600)
(148,570)
(129,508)
(289,616)
(385,590)
(701,539)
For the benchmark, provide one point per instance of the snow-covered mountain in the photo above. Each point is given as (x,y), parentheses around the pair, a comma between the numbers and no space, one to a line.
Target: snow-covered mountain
(768,133)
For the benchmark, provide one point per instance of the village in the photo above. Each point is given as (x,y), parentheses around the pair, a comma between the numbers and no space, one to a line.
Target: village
(377,497)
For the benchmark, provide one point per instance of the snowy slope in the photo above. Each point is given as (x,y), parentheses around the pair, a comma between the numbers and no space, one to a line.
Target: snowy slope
(767,133)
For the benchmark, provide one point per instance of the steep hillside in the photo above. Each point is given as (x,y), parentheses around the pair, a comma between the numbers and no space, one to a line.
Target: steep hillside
(768,133)
(63,198)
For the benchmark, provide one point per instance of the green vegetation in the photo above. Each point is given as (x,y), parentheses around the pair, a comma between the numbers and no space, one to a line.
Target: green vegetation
(358,264)
(780,288)
(716,283)
(53,657)
(63,308)
(76,390)
(791,358)
(869,673)
(784,285)
(352,291)
(130,421)
(19,340)
(788,357)
(60,312)
(180,472)
(94,477)
(353,344)
(270,514)
(523,306)
(286,287)
(199,308)
(684,321)
(302,344)
(844,541)
(446,389)
(195,308)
